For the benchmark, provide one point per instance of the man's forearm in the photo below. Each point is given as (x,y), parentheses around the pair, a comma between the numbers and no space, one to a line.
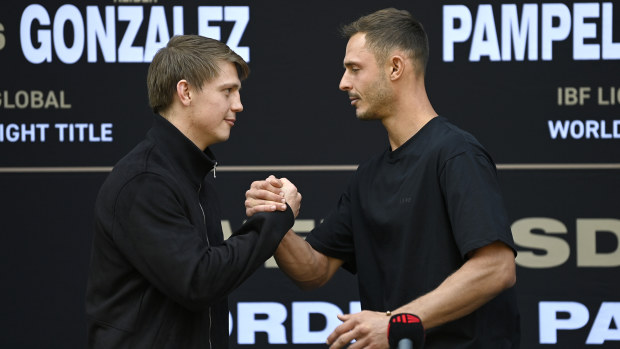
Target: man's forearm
(480,279)
(296,258)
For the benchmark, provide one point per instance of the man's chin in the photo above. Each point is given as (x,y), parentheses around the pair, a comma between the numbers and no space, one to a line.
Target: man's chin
(365,116)
(222,139)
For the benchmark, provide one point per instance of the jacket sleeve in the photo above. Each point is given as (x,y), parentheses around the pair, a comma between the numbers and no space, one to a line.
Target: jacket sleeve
(152,230)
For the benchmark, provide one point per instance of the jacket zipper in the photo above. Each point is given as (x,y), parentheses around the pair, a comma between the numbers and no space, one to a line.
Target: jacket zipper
(204,220)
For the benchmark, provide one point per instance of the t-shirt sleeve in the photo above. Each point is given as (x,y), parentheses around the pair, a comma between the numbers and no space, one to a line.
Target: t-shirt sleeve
(334,236)
(474,201)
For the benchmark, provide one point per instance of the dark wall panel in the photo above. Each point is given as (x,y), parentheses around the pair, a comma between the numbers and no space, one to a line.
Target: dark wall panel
(545,104)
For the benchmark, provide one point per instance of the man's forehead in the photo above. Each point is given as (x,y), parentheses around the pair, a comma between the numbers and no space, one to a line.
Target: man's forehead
(226,76)
(356,50)
(357,42)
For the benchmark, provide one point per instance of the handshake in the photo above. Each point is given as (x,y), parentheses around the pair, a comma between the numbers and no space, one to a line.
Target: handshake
(270,195)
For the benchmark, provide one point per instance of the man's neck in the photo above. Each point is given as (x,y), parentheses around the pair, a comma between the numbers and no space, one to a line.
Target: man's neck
(407,121)
(411,110)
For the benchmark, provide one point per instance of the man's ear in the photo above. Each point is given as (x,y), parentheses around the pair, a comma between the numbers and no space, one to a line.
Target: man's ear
(183,92)
(397,65)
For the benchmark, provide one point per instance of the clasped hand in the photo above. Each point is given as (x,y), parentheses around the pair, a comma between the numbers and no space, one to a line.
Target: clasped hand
(270,195)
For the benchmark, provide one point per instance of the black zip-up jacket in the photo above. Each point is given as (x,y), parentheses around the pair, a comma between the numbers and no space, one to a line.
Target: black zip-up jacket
(160,269)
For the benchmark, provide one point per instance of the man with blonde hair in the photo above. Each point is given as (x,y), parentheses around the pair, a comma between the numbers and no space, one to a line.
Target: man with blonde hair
(160,269)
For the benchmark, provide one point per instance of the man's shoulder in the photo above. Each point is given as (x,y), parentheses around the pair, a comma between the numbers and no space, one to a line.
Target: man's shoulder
(445,132)
(450,140)
(142,160)
(134,161)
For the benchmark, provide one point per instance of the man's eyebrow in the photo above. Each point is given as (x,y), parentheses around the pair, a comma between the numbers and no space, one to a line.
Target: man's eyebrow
(348,64)
(231,85)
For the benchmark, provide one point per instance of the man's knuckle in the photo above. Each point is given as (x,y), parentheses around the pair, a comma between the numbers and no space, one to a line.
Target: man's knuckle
(363,329)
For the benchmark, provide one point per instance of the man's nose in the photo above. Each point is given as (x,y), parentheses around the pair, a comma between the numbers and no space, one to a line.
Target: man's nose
(236,106)
(345,84)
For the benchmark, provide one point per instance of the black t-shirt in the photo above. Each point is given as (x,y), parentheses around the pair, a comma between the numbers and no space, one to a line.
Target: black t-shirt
(407,221)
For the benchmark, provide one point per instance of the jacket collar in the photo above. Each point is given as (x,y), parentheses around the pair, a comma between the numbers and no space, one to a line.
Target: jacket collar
(182,153)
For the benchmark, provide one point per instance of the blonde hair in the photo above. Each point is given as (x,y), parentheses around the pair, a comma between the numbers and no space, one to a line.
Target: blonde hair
(194,58)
